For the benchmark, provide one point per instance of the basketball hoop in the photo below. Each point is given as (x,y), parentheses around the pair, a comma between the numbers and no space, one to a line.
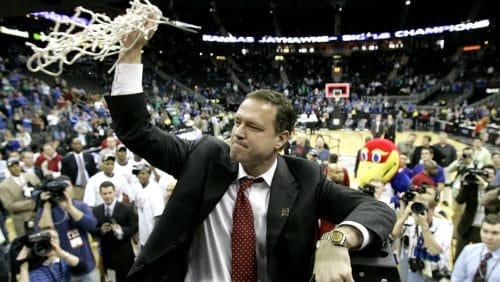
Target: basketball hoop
(101,38)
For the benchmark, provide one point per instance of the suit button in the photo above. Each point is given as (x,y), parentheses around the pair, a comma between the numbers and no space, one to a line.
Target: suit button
(174,243)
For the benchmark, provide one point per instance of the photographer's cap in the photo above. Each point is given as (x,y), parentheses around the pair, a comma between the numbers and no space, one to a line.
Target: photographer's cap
(12,161)
(140,167)
(108,157)
(121,147)
(313,152)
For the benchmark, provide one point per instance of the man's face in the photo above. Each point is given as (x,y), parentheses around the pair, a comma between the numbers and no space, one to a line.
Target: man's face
(15,169)
(143,177)
(496,160)
(76,145)
(478,143)
(426,141)
(28,159)
(108,194)
(121,155)
(490,235)
(320,143)
(491,174)
(412,139)
(403,159)
(111,142)
(425,155)
(108,166)
(443,138)
(48,150)
(336,174)
(254,142)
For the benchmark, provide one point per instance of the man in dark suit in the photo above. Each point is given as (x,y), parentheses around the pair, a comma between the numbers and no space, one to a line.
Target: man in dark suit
(377,127)
(116,224)
(196,238)
(79,166)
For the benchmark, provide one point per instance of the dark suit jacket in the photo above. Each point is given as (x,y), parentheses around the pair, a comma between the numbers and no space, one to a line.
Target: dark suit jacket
(116,253)
(390,132)
(468,196)
(204,171)
(69,165)
(377,133)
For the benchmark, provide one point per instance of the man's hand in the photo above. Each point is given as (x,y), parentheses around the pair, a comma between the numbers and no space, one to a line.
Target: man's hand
(105,228)
(135,41)
(67,203)
(332,263)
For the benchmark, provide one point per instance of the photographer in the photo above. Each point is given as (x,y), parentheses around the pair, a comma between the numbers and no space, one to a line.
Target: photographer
(72,220)
(56,264)
(463,162)
(15,194)
(474,184)
(426,238)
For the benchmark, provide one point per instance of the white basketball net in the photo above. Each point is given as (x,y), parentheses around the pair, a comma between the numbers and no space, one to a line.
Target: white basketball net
(99,39)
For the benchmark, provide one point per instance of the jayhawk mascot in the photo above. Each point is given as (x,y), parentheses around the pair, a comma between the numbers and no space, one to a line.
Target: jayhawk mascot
(379,158)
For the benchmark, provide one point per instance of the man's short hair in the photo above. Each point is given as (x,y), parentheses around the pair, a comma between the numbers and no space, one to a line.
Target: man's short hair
(106,184)
(285,113)
(428,149)
(428,137)
(492,219)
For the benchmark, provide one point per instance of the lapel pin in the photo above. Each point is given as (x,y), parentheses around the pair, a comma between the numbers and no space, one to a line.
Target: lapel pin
(285,211)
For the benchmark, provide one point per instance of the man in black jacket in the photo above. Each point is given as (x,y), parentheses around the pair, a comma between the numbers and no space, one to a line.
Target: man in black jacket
(195,239)
(116,224)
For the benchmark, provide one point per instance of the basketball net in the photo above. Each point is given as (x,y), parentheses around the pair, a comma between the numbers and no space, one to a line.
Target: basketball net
(99,39)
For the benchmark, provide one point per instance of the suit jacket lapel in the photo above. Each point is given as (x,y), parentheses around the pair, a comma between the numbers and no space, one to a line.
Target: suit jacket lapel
(283,193)
(221,174)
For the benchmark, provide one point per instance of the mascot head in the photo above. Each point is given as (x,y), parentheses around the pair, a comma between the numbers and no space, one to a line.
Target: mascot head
(378,158)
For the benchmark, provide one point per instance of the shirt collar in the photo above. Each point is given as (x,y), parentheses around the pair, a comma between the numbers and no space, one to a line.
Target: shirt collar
(112,206)
(267,176)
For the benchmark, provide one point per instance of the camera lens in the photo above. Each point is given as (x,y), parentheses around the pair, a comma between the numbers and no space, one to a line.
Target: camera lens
(418,208)
(42,248)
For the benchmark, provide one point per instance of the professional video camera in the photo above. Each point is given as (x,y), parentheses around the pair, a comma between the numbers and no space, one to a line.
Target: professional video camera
(471,173)
(39,244)
(55,188)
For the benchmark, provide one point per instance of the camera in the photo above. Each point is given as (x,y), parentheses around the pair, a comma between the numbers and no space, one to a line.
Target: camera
(39,244)
(409,195)
(418,208)
(56,190)
(118,232)
(416,264)
(441,275)
(471,173)
(466,156)
(368,189)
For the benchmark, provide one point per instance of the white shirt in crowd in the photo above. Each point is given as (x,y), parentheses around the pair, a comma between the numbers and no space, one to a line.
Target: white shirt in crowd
(92,196)
(149,204)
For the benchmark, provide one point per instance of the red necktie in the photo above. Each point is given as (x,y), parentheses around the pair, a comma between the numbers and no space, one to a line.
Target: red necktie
(244,257)
(481,271)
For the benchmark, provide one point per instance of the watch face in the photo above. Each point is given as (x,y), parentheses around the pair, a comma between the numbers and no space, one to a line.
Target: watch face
(337,236)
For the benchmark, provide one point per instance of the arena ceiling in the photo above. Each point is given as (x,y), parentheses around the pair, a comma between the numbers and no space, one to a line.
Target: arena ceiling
(288,17)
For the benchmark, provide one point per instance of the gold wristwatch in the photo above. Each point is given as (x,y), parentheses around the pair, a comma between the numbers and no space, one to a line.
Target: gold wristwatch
(337,238)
